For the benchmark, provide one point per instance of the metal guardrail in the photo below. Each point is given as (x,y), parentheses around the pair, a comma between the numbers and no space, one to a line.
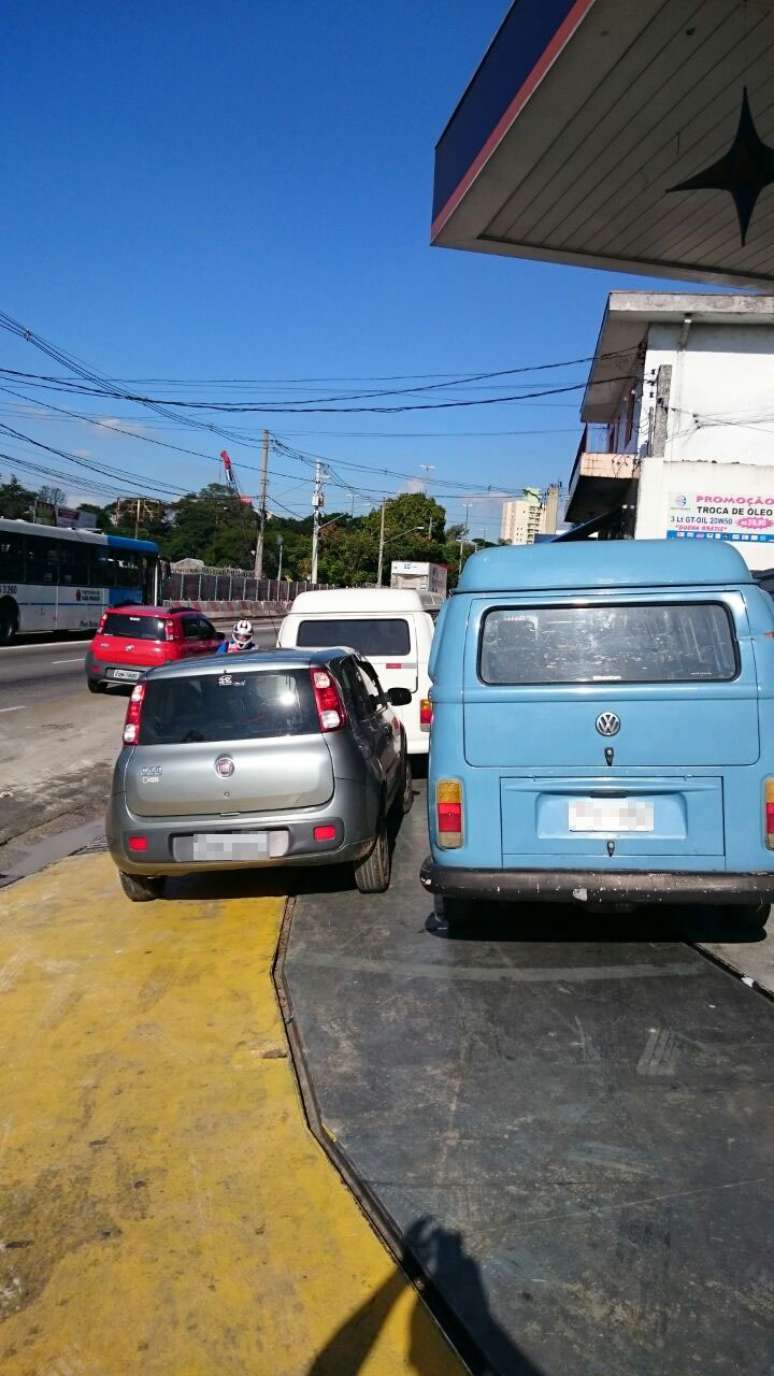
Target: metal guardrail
(230,585)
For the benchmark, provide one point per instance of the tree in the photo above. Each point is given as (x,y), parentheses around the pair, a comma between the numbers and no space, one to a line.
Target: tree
(51,496)
(215,526)
(16,502)
(120,518)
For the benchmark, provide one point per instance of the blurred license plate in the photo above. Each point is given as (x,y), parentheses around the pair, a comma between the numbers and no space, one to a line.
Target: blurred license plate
(624,814)
(229,845)
(131,674)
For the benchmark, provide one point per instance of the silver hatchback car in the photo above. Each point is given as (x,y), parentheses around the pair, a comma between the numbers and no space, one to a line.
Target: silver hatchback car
(285,757)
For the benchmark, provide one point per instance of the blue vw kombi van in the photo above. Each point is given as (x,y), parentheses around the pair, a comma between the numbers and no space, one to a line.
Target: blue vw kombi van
(603,728)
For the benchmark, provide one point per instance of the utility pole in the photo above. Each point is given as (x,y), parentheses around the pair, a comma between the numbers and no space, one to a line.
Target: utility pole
(380,566)
(262,506)
(464,532)
(318,502)
(137,520)
(280,543)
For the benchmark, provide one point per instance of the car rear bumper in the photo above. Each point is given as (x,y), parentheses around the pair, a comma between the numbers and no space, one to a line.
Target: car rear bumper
(596,886)
(103,670)
(170,849)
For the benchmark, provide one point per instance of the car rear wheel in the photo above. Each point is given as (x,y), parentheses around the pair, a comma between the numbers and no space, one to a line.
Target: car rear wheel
(141,888)
(96,685)
(372,875)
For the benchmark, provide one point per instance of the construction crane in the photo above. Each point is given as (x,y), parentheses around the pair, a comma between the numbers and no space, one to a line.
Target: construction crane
(233,486)
(231,478)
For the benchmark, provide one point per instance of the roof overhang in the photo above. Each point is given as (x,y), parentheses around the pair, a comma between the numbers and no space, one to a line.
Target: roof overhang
(585,113)
(628,316)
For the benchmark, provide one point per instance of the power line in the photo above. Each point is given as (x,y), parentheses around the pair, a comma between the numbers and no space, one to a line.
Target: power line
(297,454)
(70,387)
(458,375)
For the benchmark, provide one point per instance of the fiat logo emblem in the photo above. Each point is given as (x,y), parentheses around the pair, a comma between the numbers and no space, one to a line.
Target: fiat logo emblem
(608,724)
(224,766)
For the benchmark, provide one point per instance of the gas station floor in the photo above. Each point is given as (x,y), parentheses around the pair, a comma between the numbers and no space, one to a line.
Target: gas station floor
(566,1120)
(164,1208)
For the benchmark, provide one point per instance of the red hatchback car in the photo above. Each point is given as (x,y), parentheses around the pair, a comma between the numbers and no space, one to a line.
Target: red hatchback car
(130,640)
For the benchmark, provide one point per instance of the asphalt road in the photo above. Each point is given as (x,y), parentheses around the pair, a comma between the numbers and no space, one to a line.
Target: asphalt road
(48,671)
(40,673)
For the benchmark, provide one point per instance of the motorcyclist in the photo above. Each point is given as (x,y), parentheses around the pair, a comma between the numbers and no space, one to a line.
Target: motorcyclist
(241,639)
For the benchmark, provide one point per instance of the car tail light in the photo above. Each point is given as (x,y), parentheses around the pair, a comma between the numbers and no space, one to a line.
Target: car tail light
(448,812)
(425,714)
(330,708)
(770,813)
(133,715)
(173,630)
(325,833)
(138,844)
(101,626)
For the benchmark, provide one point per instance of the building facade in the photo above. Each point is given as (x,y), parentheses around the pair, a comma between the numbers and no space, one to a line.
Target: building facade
(536,513)
(679,422)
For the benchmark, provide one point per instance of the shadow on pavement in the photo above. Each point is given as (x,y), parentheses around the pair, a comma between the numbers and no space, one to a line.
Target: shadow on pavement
(441,1257)
(546,922)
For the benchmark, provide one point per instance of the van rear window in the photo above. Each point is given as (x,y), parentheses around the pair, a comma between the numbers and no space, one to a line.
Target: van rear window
(232,706)
(623,643)
(370,637)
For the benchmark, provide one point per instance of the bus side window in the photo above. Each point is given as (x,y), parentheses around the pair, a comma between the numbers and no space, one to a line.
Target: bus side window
(129,572)
(73,564)
(42,560)
(11,557)
(104,570)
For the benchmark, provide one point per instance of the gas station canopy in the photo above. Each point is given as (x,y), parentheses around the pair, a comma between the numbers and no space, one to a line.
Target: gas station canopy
(623,134)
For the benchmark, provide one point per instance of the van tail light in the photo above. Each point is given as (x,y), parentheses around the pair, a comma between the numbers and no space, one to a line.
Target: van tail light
(425,714)
(330,708)
(770,813)
(133,715)
(448,813)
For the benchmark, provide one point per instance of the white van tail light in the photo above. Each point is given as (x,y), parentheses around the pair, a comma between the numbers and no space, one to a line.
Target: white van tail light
(133,715)
(448,813)
(769,811)
(425,714)
(330,708)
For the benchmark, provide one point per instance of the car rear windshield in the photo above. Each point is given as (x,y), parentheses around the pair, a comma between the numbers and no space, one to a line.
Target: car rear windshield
(371,637)
(138,627)
(232,706)
(644,643)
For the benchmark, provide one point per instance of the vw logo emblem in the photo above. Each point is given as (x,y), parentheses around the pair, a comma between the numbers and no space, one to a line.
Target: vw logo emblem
(224,766)
(608,724)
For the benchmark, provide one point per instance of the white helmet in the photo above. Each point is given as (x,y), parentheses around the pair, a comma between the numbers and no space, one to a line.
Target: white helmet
(242,633)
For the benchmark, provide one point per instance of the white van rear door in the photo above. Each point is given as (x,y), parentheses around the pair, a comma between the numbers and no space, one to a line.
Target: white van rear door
(387,641)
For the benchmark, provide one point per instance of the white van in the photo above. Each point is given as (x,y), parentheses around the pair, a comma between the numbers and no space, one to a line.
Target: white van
(390,627)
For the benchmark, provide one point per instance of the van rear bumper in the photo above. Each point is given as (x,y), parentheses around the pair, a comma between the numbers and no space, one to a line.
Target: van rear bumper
(598,886)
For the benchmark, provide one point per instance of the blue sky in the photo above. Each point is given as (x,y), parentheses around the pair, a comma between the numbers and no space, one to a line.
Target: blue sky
(199,191)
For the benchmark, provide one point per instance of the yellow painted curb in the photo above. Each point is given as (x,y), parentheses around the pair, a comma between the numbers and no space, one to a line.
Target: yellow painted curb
(163,1207)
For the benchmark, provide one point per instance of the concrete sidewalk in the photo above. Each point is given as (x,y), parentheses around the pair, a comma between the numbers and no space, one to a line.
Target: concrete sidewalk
(164,1208)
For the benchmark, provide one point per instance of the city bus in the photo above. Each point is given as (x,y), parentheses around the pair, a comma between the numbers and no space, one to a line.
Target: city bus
(62,580)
